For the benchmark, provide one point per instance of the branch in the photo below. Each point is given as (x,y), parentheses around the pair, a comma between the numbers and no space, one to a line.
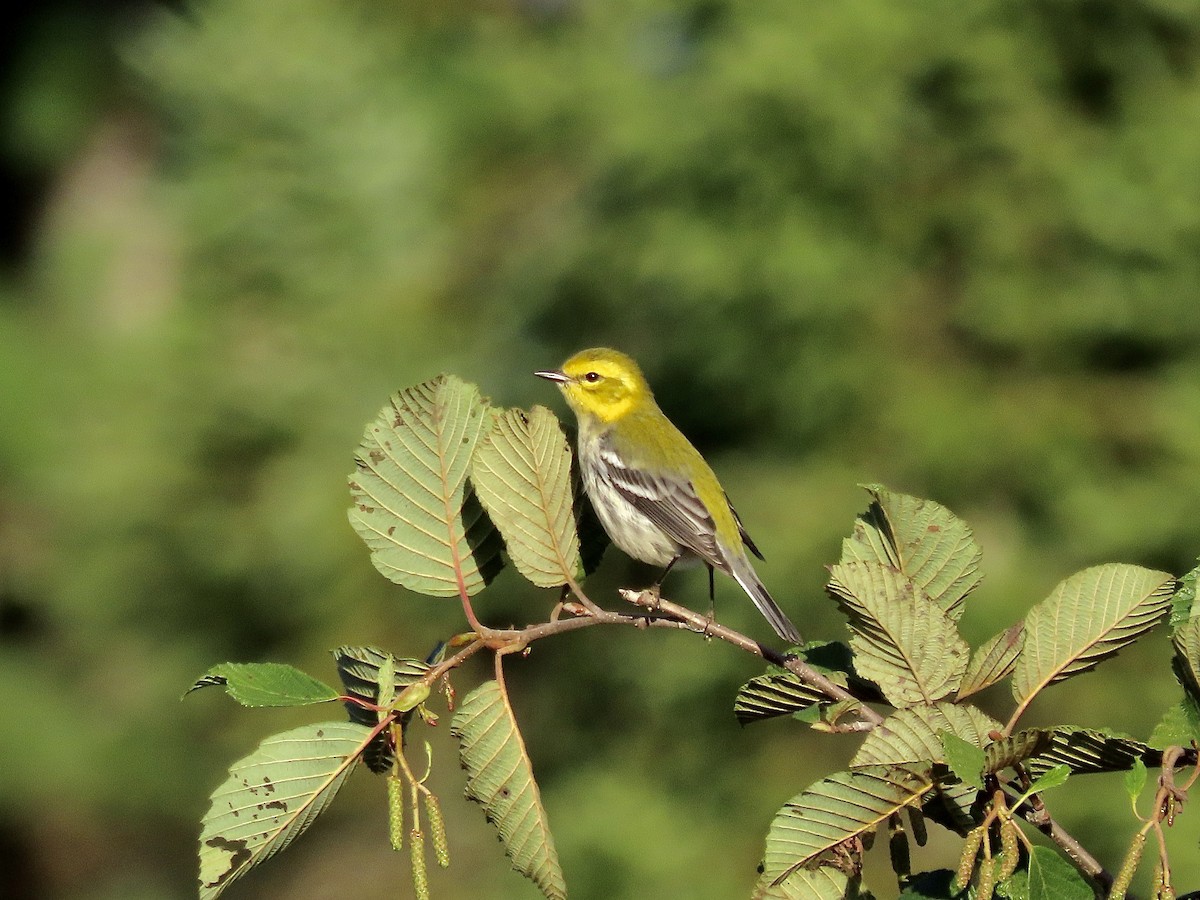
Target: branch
(1036,814)
(794,664)
(658,613)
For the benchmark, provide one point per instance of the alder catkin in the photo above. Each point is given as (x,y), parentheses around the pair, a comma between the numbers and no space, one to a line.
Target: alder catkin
(395,796)
(966,862)
(437,828)
(1010,853)
(987,880)
(1128,867)
(1162,890)
(419,875)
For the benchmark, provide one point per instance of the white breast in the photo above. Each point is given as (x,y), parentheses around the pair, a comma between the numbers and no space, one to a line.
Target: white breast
(631,531)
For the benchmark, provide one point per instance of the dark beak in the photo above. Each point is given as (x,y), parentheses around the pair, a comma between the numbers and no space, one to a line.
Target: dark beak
(553,375)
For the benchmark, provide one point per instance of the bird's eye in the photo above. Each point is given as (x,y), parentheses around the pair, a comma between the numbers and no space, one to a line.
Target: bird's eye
(591,377)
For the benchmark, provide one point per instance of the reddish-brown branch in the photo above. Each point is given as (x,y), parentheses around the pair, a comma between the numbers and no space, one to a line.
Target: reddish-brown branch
(659,613)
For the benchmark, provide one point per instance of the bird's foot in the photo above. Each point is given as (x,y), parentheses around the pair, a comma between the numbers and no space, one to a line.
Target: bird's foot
(654,592)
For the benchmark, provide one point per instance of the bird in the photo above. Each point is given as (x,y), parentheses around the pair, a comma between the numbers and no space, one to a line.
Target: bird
(656,497)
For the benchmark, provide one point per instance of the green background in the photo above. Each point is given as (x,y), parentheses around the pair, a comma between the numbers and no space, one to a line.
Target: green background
(950,247)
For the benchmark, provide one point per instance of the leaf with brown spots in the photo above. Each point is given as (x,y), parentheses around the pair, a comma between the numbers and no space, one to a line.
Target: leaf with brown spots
(272,796)
(522,474)
(500,778)
(922,539)
(412,504)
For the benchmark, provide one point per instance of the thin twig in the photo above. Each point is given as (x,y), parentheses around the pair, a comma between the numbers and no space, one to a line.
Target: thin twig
(794,664)
(1039,817)
(660,613)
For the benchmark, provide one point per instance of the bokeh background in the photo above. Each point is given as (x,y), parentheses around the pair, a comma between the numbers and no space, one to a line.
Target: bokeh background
(950,247)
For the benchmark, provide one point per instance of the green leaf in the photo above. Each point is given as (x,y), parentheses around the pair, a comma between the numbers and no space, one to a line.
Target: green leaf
(993,661)
(767,696)
(902,641)
(1186,641)
(272,796)
(1016,887)
(1135,779)
(1179,726)
(522,474)
(267,684)
(361,670)
(1087,619)
(1007,752)
(1055,776)
(412,506)
(781,693)
(1053,878)
(825,882)
(1088,751)
(846,805)
(912,735)
(922,539)
(965,759)
(500,777)
(1183,604)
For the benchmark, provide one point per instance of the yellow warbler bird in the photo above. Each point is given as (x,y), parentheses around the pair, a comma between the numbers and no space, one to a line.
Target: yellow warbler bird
(654,494)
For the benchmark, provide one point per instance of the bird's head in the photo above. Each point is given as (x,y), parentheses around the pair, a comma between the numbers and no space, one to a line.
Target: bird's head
(600,382)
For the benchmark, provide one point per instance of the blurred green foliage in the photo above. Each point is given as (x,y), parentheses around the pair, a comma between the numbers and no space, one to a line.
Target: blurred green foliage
(948,247)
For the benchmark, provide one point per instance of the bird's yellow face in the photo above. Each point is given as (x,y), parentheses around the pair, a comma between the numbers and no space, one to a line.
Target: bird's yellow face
(600,382)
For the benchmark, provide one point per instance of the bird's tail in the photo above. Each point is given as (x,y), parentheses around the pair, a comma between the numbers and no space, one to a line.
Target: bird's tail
(745,575)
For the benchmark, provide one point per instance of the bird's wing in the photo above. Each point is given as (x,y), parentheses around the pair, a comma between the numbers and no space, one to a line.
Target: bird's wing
(746,539)
(671,504)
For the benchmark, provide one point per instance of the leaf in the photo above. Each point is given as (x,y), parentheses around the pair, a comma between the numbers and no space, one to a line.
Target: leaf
(834,810)
(412,505)
(272,796)
(1087,619)
(500,777)
(1183,604)
(1016,887)
(1053,878)
(965,759)
(266,684)
(993,661)
(1186,641)
(360,669)
(1008,752)
(767,696)
(1088,751)
(1055,776)
(922,539)
(522,474)
(911,735)
(781,693)
(1135,779)
(1179,726)
(825,882)
(902,641)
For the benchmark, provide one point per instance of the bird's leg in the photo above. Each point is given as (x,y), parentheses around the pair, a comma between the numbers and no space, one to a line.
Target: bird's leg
(712,600)
(656,588)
